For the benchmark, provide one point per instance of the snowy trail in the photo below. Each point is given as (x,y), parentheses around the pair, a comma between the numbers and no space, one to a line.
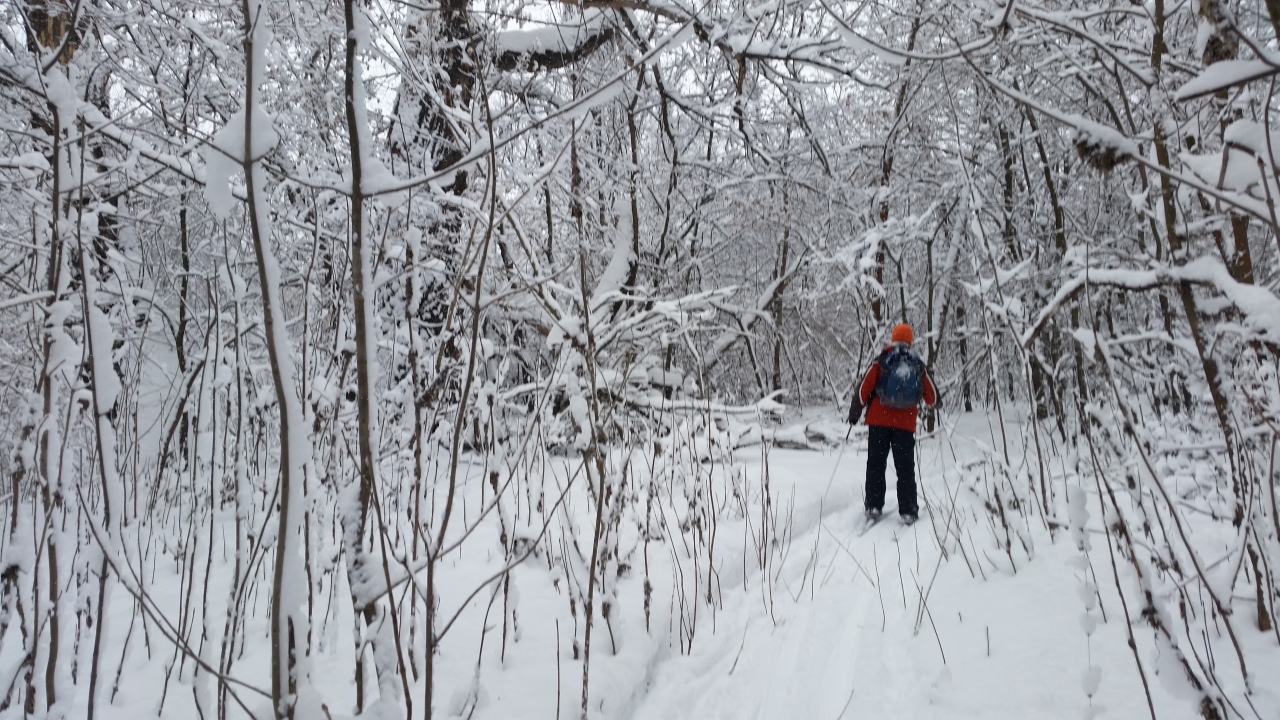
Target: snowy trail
(811,644)
(846,636)
(821,649)
(823,655)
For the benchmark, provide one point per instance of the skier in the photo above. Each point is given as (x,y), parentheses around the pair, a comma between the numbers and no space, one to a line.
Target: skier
(892,390)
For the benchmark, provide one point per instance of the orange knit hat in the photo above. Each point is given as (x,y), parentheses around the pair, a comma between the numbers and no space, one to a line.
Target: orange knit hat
(902,333)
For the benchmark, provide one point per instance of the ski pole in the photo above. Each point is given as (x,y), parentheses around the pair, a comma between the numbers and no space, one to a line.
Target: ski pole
(836,467)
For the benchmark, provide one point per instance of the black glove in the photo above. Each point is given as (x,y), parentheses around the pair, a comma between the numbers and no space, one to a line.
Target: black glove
(855,409)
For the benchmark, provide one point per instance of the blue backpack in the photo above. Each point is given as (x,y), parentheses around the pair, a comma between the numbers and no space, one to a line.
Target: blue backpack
(901,383)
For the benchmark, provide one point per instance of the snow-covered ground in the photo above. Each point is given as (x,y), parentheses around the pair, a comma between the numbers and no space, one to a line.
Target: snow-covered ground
(883,625)
(954,617)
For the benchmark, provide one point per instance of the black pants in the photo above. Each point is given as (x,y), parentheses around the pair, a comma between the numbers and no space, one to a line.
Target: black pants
(879,441)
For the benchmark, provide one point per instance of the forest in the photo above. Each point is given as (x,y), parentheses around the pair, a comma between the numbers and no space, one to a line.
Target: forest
(376,358)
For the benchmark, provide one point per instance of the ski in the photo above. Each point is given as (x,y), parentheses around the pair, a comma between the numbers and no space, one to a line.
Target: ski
(870,522)
(904,526)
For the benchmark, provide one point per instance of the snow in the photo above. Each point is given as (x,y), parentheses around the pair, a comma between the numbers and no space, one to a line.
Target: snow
(879,626)
(60,90)
(1260,306)
(26,161)
(665,378)
(24,299)
(224,157)
(1252,136)
(557,38)
(745,588)
(613,279)
(936,620)
(596,98)
(376,177)
(861,44)
(1225,74)
(1098,137)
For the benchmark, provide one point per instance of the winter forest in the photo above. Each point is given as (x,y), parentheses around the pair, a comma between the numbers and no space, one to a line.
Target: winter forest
(421,359)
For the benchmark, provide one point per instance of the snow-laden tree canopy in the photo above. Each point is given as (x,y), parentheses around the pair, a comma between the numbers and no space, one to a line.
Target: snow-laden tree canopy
(363,315)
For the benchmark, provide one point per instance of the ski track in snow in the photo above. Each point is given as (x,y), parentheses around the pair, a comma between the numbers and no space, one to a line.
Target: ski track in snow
(810,657)
(821,645)
(823,656)
(841,641)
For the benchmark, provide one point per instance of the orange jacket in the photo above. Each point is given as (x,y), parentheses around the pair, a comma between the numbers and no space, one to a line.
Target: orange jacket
(877,414)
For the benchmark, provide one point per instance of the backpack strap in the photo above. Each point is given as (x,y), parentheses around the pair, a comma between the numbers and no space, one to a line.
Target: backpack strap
(884,354)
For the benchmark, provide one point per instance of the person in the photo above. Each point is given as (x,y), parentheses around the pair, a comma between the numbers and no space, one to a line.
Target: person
(892,400)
